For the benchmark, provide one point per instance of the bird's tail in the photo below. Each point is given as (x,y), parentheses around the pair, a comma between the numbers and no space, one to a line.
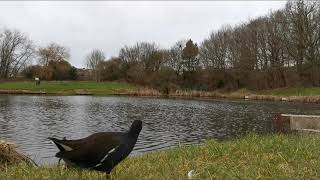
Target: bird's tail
(60,144)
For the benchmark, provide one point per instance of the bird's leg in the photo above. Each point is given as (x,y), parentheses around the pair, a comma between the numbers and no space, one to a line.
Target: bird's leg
(59,161)
(108,176)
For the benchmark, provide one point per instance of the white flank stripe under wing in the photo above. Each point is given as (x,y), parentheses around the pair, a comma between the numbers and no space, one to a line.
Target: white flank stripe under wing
(106,156)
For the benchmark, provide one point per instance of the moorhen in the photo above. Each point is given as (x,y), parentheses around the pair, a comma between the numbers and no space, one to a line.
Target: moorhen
(100,151)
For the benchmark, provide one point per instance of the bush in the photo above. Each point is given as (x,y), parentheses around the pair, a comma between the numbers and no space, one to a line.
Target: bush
(136,74)
(220,83)
(73,73)
(164,80)
(111,69)
(32,71)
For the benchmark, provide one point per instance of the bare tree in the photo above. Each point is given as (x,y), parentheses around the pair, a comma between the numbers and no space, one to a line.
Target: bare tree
(93,61)
(189,55)
(304,37)
(148,55)
(174,57)
(151,56)
(129,55)
(214,51)
(53,52)
(111,69)
(16,50)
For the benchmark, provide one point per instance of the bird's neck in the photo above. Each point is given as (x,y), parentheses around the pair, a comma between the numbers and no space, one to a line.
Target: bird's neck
(133,133)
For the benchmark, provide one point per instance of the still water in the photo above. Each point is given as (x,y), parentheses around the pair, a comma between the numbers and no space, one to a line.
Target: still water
(29,120)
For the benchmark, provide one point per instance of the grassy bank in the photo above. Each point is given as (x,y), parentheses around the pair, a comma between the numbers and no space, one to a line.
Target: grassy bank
(304,95)
(70,87)
(252,157)
(309,95)
(280,92)
(312,91)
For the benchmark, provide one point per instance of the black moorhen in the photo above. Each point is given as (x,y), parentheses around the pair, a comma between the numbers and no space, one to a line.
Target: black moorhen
(100,151)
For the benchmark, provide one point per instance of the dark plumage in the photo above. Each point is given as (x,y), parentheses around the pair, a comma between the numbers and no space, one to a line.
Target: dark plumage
(100,151)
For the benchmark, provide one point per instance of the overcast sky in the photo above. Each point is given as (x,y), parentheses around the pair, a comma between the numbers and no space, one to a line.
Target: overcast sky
(106,25)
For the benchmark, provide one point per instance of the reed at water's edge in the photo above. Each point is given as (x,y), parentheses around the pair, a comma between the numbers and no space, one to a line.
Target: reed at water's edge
(10,156)
(303,96)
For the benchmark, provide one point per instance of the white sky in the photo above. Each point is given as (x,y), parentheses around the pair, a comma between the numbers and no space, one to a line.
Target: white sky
(82,25)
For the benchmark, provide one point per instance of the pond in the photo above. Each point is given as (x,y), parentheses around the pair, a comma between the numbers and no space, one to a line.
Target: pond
(29,120)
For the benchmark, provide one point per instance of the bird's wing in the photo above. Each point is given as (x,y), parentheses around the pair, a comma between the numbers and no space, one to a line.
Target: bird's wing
(108,155)
(92,151)
(113,157)
(68,145)
(78,157)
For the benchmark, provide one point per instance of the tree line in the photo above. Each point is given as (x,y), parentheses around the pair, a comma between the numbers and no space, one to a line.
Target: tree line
(281,49)
(17,52)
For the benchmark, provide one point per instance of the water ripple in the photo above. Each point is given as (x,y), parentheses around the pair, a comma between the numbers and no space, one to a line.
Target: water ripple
(29,120)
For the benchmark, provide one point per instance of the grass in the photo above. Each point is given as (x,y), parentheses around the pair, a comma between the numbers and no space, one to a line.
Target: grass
(298,91)
(69,87)
(112,88)
(240,93)
(284,92)
(252,157)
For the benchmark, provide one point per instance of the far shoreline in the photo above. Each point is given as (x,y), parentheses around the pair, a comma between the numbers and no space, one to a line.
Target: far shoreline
(252,97)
